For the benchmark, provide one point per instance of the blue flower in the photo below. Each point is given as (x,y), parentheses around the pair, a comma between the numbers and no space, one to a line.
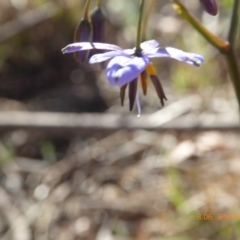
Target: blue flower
(125,66)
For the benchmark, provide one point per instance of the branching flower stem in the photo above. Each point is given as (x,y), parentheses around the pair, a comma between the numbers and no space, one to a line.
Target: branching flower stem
(225,47)
(220,44)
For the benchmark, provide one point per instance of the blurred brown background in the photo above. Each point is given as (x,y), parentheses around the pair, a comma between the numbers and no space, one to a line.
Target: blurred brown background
(93,170)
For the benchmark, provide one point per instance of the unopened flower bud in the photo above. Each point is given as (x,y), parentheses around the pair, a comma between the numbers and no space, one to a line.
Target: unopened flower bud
(98,23)
(83,33)
(210,6)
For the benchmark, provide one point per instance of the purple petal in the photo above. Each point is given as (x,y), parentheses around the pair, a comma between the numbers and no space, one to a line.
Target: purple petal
(122,70)
(129,51)
(149,45)
(81,46)
(106,56)
(190,58)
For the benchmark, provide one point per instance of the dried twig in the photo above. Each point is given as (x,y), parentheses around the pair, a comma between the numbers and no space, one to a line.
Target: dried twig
(75,123)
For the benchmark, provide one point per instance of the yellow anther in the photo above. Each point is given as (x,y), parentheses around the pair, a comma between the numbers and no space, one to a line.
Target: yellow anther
(151,70)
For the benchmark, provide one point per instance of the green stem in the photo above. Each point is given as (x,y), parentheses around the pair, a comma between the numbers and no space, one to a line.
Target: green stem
(234,72)
(147,16)
(86,9)
(99,3)
(138,47)
(230,54)
(227,48)
(220,44)
(234,22)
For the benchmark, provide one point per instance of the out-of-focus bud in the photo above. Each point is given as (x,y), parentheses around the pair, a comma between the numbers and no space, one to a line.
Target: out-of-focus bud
(83,33)
(210,6)
(98,23)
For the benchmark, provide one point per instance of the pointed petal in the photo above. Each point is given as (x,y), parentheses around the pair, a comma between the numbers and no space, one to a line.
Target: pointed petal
(149,45)
(144,82)
(106,56)
(132,93)
(81,46)
(190,58)
(122,93)
(129,51)
(122,70)
(159,89)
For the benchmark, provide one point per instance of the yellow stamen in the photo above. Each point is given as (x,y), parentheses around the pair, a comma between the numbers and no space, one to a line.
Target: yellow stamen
(151,70)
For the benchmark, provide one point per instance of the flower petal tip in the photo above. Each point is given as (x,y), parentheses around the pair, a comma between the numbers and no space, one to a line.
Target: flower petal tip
(64,50)
(71,48)
(197,60)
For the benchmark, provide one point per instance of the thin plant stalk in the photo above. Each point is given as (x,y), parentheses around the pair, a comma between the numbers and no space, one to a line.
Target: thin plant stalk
(146,19)
(86,9)
(225,47)
(233,63)
(99,3)
(220,44)
(139,29)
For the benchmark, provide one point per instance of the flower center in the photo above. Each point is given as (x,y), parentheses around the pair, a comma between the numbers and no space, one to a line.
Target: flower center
(138,53)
